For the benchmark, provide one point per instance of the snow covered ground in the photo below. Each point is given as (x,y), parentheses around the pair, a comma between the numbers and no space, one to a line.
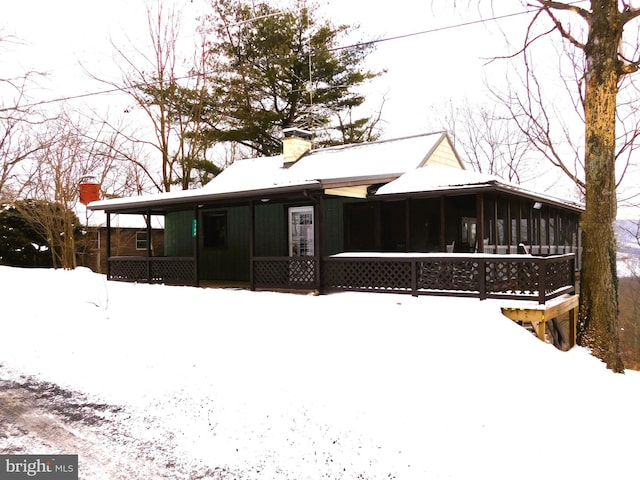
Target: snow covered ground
(216,383)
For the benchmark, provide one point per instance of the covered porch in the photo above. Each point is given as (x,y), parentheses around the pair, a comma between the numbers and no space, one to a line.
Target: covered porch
(438,244)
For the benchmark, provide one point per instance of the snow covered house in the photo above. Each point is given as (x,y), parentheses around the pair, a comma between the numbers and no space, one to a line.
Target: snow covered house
(400,215)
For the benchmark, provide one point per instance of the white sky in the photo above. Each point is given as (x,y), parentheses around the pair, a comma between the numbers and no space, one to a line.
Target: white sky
(423,71)
(283,386)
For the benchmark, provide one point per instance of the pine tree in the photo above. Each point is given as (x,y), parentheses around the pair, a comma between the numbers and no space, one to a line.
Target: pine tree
(274,69)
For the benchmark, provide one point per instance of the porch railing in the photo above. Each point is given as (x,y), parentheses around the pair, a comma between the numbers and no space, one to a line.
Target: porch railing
(474,275)
(167,270)
(285,272)
(526,277)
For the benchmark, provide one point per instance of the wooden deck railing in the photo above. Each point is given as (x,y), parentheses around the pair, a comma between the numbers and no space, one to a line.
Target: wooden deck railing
(525,277)
(167,270)
(474,275)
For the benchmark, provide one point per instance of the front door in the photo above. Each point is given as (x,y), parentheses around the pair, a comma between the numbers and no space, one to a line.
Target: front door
(301,233)
(301,244)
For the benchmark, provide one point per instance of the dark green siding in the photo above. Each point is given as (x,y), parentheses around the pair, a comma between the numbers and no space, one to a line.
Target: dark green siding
(232,261)
(178,241)
(333,223)
(271,230)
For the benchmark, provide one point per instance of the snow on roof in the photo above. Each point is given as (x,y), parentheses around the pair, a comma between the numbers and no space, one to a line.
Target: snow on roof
(434,177)
(98,218)
(374,159)
(401,162)
(388,158)
(255,174)
(431,178)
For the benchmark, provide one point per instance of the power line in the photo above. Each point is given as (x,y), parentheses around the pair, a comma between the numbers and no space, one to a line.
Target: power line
(433,30)
(344,47)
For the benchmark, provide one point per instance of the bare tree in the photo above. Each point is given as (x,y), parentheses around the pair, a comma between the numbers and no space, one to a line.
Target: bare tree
(51,179)
(18,124)
(490,140)
(170,94)
(602,57)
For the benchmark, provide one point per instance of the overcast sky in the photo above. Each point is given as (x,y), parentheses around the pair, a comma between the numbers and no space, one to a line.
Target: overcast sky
(422,70)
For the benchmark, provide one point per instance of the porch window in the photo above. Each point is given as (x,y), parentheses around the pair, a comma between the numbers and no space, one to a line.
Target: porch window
(469,234)
(141,240)
(524,231)
(502,221)
(214,229)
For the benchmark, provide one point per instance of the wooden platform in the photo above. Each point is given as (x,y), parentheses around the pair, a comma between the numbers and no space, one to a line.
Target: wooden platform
(539,314)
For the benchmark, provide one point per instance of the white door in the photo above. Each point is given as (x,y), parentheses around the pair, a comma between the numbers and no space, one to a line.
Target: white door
(301,232)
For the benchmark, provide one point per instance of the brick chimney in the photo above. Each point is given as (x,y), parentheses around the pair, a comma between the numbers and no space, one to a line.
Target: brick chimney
(296,143)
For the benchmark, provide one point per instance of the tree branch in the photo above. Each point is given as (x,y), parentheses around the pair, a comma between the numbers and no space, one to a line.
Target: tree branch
(547,4)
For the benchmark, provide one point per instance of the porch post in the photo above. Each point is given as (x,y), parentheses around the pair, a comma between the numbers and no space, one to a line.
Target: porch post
(252,221)
(407,225)
(542,279)
(480,233)
(443,226)
(317,225)
(108,245)
(149,251)
(195,229)
(507,226)
(496,230)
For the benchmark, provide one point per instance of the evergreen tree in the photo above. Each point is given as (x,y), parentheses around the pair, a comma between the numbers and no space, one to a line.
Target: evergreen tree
(274,69)
(38,233)
(21,245)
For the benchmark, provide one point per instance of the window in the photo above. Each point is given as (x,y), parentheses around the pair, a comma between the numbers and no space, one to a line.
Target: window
(468,234)
(141,240)
(214,227)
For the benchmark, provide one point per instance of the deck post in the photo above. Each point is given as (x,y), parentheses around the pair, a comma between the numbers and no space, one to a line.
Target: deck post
(108,245)
(252,241)
(482,278)
(195,229)
(443,226)
(319,242)
(540,329)
(573,335)
(414,277)
(480,224)
(542,280)
(149,246)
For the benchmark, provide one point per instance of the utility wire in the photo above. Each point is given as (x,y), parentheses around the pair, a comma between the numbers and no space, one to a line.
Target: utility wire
(344,47)
(433,30)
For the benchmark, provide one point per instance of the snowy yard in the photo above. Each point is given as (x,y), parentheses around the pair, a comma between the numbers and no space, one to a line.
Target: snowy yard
(212,383)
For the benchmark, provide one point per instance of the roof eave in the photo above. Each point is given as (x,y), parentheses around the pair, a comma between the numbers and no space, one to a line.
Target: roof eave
(494,187)
(159,204)
(359,180)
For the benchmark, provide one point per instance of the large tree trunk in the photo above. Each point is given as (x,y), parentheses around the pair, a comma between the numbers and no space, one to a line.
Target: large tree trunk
(599,293)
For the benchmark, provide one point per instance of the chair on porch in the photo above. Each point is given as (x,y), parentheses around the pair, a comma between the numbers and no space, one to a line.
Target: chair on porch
(451,248)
